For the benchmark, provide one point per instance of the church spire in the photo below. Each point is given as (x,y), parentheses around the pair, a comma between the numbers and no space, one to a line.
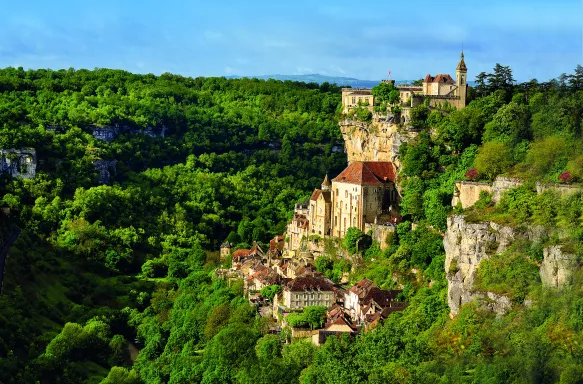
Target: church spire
(462,64)
(326,184)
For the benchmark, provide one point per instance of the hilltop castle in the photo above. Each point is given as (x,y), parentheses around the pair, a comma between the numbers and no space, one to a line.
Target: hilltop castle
(438,89)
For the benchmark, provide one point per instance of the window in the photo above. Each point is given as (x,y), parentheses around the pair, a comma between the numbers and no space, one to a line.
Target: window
(345,193)
(336,191)
(353,100)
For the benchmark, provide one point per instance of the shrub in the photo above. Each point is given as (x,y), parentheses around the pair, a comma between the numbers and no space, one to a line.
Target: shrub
(472,174)
(565,177)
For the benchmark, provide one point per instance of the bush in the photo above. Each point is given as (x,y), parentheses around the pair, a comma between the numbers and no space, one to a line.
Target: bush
(472,174)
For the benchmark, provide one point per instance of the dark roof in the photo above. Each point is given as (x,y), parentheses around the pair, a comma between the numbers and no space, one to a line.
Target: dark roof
(381,297)
(303,283)
(367,173)
(362,288)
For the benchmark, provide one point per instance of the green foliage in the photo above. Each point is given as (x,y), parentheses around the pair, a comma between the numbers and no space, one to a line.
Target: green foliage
(493,159)
(354,240)
(386,92)
(509,273)
(270,291)
(312,317)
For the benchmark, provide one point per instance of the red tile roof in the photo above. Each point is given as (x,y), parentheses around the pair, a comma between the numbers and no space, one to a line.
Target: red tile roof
(362,288)
(441,78)
(367,173)
(315,194)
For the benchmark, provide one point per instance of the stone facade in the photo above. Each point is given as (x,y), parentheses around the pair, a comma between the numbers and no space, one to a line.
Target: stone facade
(353,97)
(320,210)
(363,193)
(308,290)
(18,162)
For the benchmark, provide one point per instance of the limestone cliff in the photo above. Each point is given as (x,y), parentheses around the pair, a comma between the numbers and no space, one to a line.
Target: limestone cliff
(557,267)
(376,141)
(468,244)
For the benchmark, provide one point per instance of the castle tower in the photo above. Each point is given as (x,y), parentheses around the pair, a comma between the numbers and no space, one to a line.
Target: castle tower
(326,184)
(461,80)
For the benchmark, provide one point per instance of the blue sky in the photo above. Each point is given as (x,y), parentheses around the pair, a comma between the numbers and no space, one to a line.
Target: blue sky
(342,38)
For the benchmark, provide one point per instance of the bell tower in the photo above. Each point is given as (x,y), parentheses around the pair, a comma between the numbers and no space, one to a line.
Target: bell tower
(461,81)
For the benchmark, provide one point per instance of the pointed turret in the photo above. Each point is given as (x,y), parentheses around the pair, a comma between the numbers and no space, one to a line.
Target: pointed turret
(461,80)
(461,66)
(326,184)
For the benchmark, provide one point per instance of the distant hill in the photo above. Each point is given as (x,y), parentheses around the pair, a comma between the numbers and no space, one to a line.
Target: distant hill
(338,80)
(317,78)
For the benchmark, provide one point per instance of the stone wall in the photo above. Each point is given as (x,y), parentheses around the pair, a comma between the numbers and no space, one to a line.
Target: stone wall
(18,162)
(379,233)
(503,184)
(468,192)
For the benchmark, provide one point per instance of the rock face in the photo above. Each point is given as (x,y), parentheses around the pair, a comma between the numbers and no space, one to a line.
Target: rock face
(466,245)
(18,162)
(557,268)
(104,168)
(376,141)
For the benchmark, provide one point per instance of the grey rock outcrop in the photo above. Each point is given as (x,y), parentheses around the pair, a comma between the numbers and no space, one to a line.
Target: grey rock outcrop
(104,169)
(466,245)
(557,267)
(18,162)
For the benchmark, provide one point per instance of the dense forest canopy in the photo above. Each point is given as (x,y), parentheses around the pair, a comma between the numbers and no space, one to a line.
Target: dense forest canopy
(97,265)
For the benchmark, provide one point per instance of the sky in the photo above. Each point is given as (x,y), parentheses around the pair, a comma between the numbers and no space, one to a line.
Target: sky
(361,39)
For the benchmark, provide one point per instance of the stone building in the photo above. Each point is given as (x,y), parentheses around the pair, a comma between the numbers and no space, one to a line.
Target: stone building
(298,227)
(226,249)
(366,302)
(320,209)
(353,97)
(438,89)
(363,193)
(443,88)
(308,290)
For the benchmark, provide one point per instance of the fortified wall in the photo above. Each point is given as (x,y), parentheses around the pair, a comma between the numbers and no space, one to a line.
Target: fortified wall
(467,193)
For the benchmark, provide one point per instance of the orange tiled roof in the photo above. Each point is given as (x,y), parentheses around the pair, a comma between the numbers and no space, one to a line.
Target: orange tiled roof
(367,173)
(441,78)
(315,194)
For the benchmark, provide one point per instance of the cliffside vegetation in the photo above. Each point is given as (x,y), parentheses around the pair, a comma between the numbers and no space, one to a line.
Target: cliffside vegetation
(98,265)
